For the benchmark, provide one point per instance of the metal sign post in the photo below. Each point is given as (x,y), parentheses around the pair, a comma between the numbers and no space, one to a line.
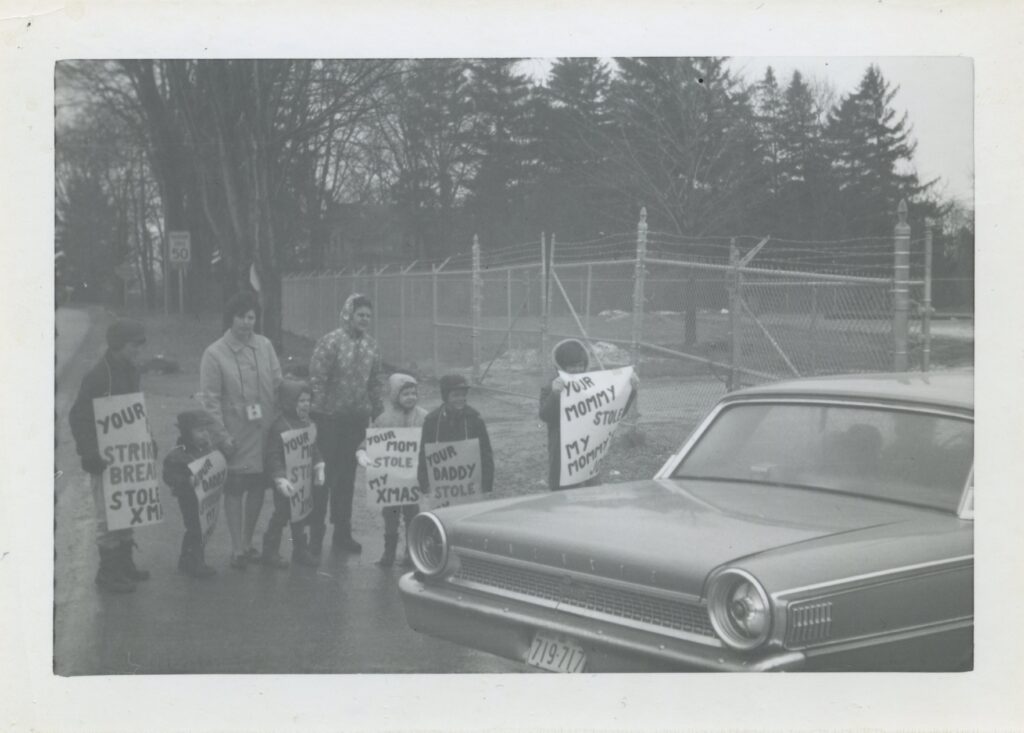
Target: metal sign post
(179,253)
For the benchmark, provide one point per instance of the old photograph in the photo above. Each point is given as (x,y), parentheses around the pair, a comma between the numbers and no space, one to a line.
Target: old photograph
(514,365)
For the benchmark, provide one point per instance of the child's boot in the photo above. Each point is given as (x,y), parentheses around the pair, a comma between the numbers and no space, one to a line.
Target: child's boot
(316,541)
(271,544)
(128,568)
(390,545)
(199,568)
(300,551)
(110,577)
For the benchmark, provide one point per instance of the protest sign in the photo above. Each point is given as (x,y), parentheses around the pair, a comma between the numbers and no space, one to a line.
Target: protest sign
(298,466)
(131,493)
(209,473)
(391,476)
(592,405)
(453,472)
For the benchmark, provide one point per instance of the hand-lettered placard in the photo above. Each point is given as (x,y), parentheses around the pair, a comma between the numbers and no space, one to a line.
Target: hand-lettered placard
(592,405)
(391,476)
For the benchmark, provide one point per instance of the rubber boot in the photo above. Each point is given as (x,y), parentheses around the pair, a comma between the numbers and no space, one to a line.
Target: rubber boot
(191,561)
(202,570)
(128,565)
(342,542)
(271,544)
(407,558)
(186,560)
(110,577)
(300,549)
(390,545)
(316,541)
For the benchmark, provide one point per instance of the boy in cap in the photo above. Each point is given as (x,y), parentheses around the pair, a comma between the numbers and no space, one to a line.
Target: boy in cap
(116,373)
(400,412)
(193,442)
(570,356)
(455,420)
(294,398)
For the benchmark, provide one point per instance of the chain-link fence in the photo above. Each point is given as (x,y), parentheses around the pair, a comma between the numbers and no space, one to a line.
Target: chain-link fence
(696,316)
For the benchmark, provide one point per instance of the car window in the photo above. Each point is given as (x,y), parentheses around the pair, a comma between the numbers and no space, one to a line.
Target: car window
(901,455)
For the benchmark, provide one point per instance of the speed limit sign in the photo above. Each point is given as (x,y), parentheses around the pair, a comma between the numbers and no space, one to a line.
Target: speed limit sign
(179,248)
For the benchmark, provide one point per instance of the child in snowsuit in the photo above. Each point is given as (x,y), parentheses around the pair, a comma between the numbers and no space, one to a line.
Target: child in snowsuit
(294,399)
(194,442)
(455,420)
(400,412)
(570,356)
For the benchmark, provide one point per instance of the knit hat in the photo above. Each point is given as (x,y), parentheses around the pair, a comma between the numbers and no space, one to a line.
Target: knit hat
(125,331)
(451,382)
(570,352)
(192,419)
(289,392)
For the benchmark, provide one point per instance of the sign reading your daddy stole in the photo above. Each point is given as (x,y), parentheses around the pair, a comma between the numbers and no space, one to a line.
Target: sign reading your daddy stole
(453,472)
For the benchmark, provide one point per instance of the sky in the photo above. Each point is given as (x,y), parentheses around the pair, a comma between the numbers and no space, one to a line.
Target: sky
(936,92)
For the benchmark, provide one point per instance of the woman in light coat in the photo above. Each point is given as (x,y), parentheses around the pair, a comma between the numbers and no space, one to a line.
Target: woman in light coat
(238,379)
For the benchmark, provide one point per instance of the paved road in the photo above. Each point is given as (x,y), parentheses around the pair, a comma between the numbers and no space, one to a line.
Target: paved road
(343,617)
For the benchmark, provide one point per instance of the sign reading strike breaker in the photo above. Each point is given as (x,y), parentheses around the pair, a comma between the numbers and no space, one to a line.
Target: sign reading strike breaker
(453,472)
(131,492)
(209,474)
(391,476)
(592,405)
(298,466)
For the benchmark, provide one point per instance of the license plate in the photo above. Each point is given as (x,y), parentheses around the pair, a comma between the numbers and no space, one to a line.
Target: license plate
(556,654)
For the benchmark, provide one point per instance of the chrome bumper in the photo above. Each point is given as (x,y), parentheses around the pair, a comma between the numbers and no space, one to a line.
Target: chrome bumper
(506,627)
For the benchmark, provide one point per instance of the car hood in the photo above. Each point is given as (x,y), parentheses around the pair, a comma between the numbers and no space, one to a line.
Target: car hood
(665,533)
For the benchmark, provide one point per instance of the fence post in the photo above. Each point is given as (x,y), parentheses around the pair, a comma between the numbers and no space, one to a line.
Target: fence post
(901,286)
(586,303)
(813,337)
(401,318)
(543,298)
(478,295)
(736,351)
(433,317)
(926,305)
(638,285)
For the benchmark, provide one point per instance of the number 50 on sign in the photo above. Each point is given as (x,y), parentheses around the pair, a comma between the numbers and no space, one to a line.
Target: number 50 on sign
(179,248)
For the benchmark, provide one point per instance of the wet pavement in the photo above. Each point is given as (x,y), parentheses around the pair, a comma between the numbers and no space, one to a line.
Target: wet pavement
(344,617)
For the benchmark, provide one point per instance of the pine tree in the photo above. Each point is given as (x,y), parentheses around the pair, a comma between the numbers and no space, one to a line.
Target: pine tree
(872,153)
(769,107)
(805,180)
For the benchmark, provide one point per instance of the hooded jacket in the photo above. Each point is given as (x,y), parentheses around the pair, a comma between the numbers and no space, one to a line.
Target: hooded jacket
(344,369)
(288,419)
(444,425)
(394,416)
(111,376)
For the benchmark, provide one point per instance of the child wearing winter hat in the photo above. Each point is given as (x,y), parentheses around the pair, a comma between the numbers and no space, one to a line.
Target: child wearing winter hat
(569,356)
(294,400)
(193,443)
(399,412)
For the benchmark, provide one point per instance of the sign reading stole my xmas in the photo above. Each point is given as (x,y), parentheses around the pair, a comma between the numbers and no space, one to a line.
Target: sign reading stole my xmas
(391,476)
(592,405)
(209,474)
(298,466)
(453,472)
(131,492)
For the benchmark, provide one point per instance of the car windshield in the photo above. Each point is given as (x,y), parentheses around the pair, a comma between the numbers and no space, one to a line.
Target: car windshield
(898,455)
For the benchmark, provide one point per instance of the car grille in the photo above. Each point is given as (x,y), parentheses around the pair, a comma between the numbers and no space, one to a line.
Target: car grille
(586,597)
(809,623)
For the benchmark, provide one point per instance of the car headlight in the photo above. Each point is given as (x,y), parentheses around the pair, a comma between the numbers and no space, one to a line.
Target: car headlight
(428,544)
(740,610)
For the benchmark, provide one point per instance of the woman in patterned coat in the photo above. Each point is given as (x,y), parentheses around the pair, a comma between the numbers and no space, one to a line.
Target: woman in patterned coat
(343,373)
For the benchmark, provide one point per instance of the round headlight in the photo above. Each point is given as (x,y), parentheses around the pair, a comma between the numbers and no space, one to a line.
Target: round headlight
(428,544)
(740,610)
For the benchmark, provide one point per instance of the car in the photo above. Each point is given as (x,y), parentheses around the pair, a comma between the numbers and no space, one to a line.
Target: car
(814,524)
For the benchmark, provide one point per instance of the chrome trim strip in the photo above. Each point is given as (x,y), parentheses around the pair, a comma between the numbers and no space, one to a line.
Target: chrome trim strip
(878,575)
(623,585)
(569,608)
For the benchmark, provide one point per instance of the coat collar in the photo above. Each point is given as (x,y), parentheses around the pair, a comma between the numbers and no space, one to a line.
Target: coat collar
(234,344)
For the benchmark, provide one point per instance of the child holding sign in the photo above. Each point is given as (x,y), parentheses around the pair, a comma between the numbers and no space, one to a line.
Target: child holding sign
(450,431)
(295,466)
(400,412)
(117,373)
(570,357)
(194,443)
